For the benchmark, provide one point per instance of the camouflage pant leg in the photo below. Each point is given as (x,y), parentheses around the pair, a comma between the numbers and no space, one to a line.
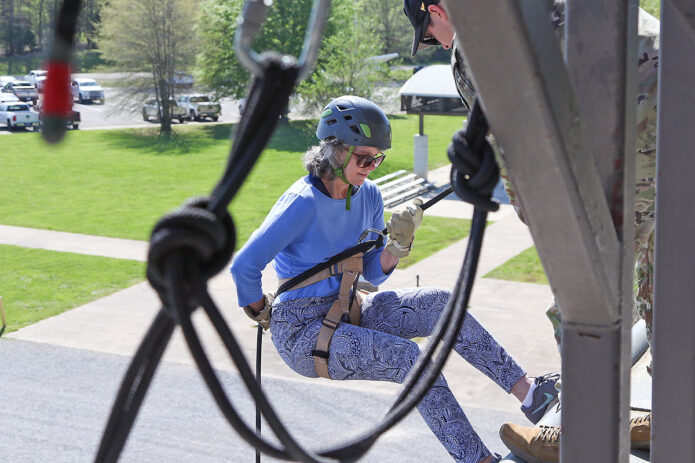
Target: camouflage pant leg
(644,292)
(644,239)
(644,284)
(555,318)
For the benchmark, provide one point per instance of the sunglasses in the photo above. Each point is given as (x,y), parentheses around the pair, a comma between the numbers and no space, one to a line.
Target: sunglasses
(366,160)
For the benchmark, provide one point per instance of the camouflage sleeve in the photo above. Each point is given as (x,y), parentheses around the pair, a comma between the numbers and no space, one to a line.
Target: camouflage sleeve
(462,76)
(645,166)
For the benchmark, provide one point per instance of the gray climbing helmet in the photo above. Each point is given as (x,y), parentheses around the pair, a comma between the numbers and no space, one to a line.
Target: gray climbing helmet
(355,121)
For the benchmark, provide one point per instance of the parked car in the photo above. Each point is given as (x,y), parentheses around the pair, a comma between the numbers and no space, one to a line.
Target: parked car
(72,122)
(5,79)
(87,90)
(199,106)
(18,115)
(37,77)
(24,90)
(9,98)
(182,79)
(151,109)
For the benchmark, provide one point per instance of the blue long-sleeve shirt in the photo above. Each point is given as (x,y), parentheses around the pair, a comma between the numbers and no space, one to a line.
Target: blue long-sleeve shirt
(306,227)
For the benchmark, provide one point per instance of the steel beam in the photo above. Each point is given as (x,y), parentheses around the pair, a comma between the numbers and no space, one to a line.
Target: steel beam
(528,96)
(685,14)
(601,56)
(524,86)
(673,420)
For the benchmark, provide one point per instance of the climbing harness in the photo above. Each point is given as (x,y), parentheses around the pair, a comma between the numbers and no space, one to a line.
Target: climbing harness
(195,242)
(346,306)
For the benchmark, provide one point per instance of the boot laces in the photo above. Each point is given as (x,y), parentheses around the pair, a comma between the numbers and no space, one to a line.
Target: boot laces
(644,419)
(549,434)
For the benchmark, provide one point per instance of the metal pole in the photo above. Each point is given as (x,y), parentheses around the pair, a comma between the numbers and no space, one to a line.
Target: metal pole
(2,317)
(259,345)
(673,392)
(601,56)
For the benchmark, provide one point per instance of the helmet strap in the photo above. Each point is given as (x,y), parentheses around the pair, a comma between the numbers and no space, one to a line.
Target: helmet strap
(341,174)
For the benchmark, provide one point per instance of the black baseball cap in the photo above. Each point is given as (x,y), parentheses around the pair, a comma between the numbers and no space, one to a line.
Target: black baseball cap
(416,11)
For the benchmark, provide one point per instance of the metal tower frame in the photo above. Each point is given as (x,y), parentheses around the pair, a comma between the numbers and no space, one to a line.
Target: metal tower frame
(565,119)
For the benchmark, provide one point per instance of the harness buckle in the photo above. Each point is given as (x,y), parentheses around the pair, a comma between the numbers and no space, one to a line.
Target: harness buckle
(322,354)
(365,233)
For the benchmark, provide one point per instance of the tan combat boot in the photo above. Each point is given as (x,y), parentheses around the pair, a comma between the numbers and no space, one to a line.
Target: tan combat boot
(640,432)
(535,445)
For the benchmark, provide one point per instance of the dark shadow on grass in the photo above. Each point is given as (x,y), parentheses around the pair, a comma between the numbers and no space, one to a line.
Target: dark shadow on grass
(149,141)
(295,136)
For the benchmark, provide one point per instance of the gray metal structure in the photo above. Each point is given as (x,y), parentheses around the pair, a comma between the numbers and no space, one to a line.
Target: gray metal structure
(563,126)
(564,122)
(673,388)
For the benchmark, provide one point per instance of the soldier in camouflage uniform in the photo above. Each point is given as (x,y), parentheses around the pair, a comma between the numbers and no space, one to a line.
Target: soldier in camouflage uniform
(645,147)
(645,169)
(542,444)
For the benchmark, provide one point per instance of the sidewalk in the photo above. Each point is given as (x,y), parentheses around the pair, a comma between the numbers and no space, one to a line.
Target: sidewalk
(512,312)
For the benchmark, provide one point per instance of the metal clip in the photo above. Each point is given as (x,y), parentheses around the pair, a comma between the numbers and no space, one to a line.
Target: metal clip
(370,230)
(251,21)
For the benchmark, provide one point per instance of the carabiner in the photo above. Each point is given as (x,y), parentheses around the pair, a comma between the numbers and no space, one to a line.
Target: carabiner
(250,23)
(381,233)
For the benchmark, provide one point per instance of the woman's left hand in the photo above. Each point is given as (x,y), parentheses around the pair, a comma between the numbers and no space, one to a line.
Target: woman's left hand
(402,226)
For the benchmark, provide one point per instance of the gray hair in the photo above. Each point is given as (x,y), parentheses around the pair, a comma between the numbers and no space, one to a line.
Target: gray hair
(322,159)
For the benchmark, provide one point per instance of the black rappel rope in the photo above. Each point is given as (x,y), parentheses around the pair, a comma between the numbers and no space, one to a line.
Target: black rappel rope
(195,242)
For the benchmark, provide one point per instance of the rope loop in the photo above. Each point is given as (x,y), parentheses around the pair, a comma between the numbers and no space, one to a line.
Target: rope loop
(194,229)
(474,171)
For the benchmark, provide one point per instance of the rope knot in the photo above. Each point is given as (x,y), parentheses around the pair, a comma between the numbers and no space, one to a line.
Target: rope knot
(206,241)
(474,171)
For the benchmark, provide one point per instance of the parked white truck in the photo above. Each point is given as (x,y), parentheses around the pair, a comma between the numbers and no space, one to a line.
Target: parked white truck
(37,77)
(85,90)
(18,115)
(199,106)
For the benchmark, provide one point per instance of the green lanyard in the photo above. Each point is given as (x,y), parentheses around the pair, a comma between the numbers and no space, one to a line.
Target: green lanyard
(339,172)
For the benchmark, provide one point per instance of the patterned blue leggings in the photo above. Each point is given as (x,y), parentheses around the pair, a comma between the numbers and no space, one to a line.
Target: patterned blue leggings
(380,349)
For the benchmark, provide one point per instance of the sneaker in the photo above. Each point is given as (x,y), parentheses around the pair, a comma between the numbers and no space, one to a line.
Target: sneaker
(534,445)
(640,432)
(544,396)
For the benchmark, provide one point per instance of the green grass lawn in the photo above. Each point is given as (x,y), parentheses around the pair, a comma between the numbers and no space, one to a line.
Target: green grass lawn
(38,284)
(652,6)
(525,267)
(119,182)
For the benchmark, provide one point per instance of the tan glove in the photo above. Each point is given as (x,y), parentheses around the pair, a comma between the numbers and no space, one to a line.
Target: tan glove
(401,228)
(262,317)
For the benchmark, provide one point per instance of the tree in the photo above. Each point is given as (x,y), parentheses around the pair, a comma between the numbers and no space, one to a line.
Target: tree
(391,25)
(340,68)
(153,36)
(343,67)
(283,31)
